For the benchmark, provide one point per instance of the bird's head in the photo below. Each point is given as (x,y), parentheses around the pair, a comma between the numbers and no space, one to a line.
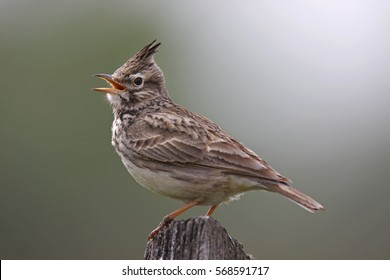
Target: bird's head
(136,81)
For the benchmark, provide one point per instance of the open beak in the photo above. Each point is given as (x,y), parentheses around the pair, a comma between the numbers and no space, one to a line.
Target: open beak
(115,88)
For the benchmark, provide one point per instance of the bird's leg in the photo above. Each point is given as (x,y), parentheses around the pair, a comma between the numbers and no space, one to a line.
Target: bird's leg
(211,210)
(169,218)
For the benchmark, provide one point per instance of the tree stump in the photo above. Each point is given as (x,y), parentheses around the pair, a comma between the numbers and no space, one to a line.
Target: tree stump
(199,238)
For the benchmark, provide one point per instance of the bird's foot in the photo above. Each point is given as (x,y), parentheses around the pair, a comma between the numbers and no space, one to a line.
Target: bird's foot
(166,221)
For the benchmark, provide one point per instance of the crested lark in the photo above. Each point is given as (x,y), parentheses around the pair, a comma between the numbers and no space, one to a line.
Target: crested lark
(178,153)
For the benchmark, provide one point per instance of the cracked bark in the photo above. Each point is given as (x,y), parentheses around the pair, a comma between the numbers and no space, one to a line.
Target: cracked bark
(199,238)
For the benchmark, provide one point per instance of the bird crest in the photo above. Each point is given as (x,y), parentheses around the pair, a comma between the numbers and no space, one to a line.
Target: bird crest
(141,60)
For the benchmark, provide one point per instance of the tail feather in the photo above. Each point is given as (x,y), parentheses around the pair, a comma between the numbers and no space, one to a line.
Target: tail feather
(299,198)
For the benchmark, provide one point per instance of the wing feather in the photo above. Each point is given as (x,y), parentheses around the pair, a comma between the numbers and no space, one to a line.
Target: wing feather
(184,140)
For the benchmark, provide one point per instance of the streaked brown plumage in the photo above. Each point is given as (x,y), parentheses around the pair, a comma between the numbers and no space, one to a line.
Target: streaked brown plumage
(178,153)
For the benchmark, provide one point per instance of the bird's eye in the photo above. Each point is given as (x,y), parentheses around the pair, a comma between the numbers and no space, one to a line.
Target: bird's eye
(138,81)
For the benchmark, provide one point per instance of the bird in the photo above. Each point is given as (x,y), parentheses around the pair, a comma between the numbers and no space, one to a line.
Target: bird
(178,153)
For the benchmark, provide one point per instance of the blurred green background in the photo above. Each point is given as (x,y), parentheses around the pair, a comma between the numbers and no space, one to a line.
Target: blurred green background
(305,84)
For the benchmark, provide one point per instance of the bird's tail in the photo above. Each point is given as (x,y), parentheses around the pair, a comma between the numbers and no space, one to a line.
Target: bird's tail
(299,198)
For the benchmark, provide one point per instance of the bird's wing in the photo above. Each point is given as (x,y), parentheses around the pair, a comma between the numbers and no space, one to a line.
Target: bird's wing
(189,140)
(237,159)
(169,138)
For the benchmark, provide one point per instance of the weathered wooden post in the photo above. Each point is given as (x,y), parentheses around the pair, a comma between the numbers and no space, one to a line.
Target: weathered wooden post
(199,238)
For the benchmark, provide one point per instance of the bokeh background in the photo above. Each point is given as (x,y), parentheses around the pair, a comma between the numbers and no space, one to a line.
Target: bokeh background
(305,84)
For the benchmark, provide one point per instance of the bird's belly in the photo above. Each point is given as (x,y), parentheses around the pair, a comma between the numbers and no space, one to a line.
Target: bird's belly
(184,183)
